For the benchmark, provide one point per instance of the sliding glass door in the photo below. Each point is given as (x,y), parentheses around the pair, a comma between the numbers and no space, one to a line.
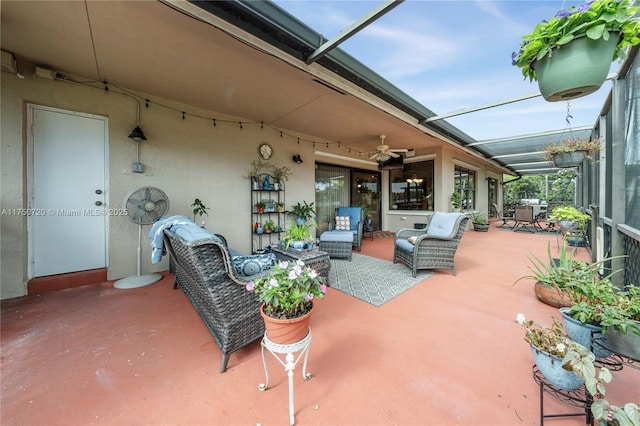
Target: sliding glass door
(338,186)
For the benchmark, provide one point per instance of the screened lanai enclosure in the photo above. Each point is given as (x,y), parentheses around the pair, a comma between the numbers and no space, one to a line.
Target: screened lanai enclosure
(210,80)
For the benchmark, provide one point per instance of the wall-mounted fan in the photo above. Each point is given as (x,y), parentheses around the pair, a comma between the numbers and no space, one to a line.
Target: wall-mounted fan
(383,152)
(144,206)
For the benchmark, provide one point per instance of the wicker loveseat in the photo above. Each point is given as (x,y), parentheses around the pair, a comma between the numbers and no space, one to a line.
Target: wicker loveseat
(433,247)
(205,272)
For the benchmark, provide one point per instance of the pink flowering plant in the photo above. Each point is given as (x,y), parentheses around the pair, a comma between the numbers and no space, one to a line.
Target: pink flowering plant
(590,146)
(288,290)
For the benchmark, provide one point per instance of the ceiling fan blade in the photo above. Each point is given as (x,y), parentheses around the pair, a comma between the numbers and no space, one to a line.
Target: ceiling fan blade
(399,150)
(392,154)
(374,156)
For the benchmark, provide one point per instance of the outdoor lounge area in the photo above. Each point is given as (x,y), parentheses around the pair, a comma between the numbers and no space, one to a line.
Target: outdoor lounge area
(446,352)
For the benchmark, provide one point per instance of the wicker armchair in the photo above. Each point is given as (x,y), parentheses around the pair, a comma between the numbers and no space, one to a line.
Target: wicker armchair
(205,273)
(356,222)
(435,246)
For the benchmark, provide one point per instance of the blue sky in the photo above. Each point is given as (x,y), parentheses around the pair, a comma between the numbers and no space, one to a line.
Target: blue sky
(452,55)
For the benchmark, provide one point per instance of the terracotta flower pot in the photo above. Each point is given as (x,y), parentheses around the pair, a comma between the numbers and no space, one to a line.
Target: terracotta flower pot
(552,296)
(288,331)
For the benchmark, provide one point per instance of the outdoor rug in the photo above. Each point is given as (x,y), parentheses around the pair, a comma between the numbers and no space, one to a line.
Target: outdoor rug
(372,280)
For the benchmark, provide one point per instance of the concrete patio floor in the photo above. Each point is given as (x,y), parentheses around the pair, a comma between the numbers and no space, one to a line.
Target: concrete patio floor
(446,352)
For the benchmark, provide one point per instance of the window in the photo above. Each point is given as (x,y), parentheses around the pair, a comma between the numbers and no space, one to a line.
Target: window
(412,187)
(465,185)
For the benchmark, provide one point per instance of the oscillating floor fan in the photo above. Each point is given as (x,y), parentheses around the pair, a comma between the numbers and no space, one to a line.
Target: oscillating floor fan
(144,206)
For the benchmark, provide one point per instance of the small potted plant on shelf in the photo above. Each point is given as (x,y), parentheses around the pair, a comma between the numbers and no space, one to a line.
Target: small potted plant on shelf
(199,209)
(480,221)
(258,167)
(269,226)
(260,207)
(302,212)
(279,206)
(280,174)
(571,53)
(571,152)
(287,293)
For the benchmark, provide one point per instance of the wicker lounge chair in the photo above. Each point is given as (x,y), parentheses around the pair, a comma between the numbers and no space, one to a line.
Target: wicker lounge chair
(356,223)
(205,273)
(435,246)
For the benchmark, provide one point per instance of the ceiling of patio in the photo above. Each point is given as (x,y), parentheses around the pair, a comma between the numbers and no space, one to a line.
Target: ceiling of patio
(151,47)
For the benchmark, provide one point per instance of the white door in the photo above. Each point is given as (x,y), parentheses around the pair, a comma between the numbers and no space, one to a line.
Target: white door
(68,191)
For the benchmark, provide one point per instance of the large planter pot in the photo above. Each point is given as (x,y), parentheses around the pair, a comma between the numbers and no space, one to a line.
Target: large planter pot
(581,333)
(481,227)
(575,69)
(552,296)
(569,159)
(551,368)
(627,345)
(287,331)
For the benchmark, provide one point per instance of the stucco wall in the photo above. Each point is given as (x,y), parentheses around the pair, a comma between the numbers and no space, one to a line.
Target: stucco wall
(187,159)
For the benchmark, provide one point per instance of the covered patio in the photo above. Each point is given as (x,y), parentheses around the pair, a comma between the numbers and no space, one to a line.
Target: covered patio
(446,352)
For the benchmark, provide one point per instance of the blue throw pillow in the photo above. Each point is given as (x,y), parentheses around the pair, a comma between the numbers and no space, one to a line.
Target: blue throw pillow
(193,232)
(251,265)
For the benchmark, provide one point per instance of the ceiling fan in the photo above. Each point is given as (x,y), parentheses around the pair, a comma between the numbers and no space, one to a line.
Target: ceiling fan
(383,152)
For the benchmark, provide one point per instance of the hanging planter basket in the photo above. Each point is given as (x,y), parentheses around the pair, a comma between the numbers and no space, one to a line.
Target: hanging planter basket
(569,159)
(576,69)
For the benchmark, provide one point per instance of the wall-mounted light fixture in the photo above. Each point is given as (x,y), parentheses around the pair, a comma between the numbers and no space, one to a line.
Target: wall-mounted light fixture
(297,159)
(137,134)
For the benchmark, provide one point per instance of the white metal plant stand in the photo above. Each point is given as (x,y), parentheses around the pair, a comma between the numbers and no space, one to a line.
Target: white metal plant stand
(289,363)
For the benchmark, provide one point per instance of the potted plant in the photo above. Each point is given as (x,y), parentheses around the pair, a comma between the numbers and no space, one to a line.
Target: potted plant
(302,212)
(570,218)
(297,235)
(260,207)
(620,321)
(581,362)
(455,201)
(480,221)
(287,293)
(269,226)
(279,206)
(552,277)
(258,167)
(571,152)
(280,174)
(592,296)
(570,54)
(199,209)
(549,345)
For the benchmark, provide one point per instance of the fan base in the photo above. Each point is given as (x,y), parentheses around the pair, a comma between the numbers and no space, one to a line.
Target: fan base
(136,281)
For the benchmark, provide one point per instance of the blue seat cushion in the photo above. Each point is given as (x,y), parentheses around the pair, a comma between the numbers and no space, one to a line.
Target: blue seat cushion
(344,236)
(251,265)
(193,232)
(442,224)
(405,245)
